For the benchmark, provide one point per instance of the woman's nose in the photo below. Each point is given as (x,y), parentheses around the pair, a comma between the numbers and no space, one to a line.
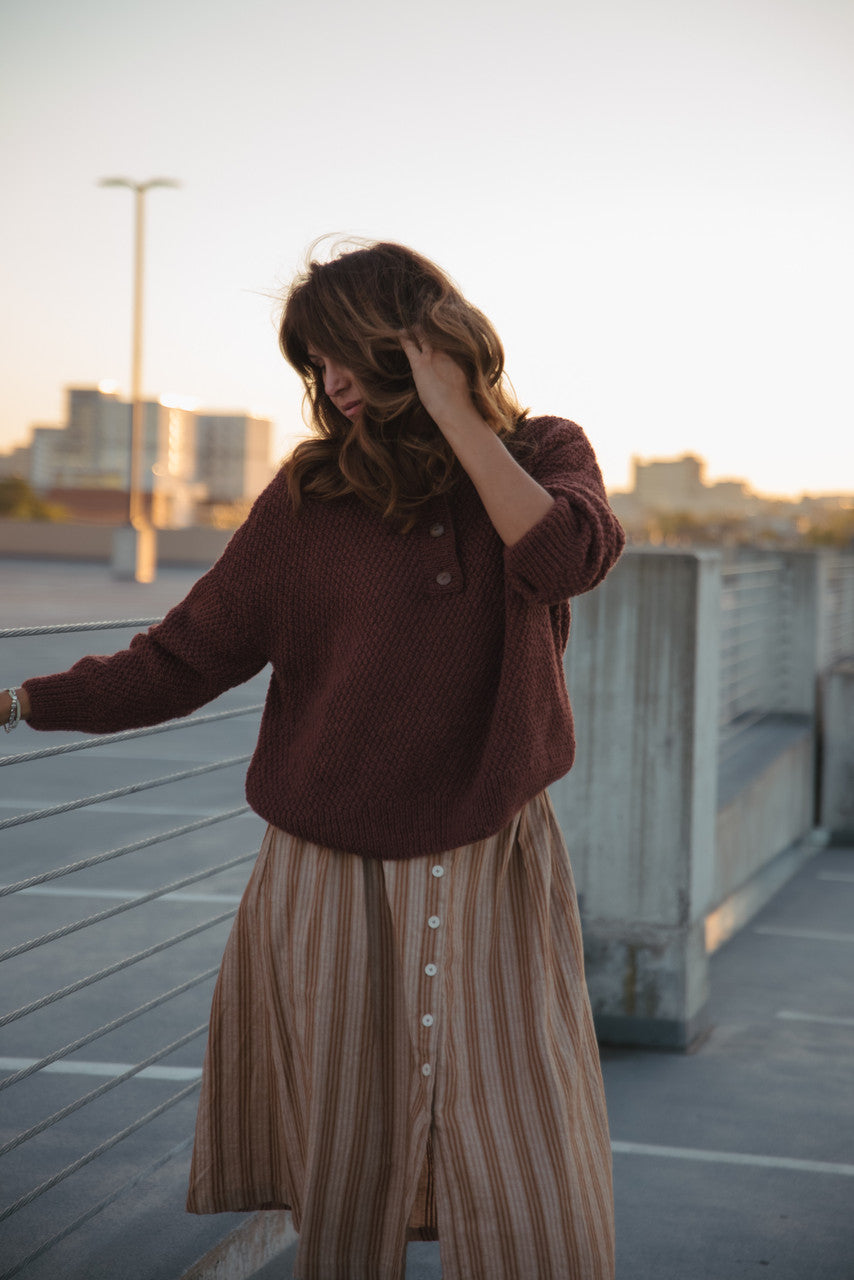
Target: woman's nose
(335,377)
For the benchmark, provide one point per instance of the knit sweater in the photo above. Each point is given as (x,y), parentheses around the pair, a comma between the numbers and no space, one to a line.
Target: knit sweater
(417,697)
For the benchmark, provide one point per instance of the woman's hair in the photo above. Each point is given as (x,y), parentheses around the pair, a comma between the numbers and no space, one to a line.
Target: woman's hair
(352,309)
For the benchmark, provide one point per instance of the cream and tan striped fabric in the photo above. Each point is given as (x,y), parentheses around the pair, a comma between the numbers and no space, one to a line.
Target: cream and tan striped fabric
(404,1049)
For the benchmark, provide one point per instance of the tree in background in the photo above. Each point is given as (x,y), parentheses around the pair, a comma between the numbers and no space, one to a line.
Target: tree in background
(19,502)
(831,529)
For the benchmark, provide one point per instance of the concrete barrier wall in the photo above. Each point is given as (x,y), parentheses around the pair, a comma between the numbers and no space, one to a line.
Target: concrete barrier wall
(638,808)
(663,831)
(45,540)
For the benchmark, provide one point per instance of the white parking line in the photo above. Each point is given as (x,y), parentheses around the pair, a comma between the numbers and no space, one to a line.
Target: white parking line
(76,1068)
(791,1015)
(732,1157)
(112,806)
(841,877)
(815,935)
(46,891)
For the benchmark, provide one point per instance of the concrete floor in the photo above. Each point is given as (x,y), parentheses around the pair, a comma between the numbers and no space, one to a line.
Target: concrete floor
(736,1160)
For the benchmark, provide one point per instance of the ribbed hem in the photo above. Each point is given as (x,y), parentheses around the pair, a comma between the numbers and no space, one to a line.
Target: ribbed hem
(411,828)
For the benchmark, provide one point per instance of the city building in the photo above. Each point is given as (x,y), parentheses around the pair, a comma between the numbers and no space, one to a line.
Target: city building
(188,458)
(233,454)
(668,484)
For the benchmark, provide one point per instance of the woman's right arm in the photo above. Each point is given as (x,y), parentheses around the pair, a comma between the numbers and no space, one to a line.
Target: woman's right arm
(205,645)
(216,638)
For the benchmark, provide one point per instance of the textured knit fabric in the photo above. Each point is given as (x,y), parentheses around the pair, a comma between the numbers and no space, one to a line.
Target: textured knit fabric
(417,699)
(366,1008)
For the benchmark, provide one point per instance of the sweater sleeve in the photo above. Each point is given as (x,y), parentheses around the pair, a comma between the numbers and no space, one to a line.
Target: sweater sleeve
(570,550)
(211,641)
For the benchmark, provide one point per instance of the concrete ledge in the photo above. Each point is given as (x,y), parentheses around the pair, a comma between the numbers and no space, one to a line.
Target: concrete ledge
(740,907)
(41,539)
(263,1237)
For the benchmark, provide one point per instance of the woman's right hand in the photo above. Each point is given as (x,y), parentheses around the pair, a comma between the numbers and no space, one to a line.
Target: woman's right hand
(6,705)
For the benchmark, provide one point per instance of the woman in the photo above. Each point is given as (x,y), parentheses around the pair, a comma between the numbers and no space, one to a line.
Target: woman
(401,1041)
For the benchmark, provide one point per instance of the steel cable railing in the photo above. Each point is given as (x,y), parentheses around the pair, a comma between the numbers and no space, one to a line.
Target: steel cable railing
(55,934)
(749,675)
(66,628)
(82,1161)
(62,936)
(107,972)
(838,610)
(135,847)
(80,1043)
(109,739)
(69,1109)
(95,1209)
(133,788)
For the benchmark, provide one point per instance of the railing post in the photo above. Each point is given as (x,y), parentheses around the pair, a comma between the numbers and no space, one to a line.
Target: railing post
(837,781)
(802,624)
(638,808)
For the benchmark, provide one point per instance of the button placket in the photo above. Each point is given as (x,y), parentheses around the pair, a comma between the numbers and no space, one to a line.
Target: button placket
(428,1011)
(440,560)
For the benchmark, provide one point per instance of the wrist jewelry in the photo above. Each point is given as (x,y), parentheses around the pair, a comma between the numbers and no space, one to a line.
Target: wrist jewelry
(15,714)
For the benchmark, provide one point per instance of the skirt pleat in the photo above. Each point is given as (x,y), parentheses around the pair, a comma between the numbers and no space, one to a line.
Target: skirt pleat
(404,1049)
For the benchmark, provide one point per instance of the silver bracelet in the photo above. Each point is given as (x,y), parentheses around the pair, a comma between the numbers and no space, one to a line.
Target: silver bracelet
(15,714)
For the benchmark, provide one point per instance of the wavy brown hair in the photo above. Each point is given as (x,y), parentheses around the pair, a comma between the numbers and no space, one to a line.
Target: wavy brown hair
(352,309)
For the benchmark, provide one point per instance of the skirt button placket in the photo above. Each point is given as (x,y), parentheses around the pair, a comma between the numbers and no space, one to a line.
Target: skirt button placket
(435,886)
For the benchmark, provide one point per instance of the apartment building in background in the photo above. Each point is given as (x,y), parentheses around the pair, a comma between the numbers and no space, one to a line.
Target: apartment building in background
(189,459)
(233,452)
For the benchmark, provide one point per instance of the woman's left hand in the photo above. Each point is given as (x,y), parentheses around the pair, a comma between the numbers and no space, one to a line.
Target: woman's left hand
(441,383)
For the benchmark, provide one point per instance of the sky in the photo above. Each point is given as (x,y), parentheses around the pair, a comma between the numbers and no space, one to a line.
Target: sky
(653,200)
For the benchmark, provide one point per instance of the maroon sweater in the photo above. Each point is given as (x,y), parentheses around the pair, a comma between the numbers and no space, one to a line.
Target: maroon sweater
(417,697)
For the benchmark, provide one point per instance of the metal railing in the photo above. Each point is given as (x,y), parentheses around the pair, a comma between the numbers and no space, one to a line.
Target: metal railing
(752,669)
(838,610)
(52,947)
(762,646)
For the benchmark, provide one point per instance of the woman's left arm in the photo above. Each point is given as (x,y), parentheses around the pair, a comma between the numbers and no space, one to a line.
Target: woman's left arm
(561,536)
(513,499)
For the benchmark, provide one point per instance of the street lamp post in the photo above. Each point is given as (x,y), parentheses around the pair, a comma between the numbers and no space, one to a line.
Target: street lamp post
(134,546)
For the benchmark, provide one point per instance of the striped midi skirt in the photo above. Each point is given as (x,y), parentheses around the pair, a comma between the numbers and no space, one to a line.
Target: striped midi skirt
(404,1050)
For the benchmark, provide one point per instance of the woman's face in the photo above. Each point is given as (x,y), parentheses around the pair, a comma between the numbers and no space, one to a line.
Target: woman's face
(339,384)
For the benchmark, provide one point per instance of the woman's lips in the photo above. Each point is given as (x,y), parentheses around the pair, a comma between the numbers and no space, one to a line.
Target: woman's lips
(350,410)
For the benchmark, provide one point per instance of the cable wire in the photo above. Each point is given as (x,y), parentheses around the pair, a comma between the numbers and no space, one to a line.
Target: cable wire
(107,1027)
(107,739)
(101,1089)
(133,789)
(138,901)
(86,1216)
(96,858)
(64,628)
(49,1183)
(113,968)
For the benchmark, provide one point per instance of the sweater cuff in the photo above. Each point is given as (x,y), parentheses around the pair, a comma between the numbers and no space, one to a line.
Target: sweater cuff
(55,703)
(567,552)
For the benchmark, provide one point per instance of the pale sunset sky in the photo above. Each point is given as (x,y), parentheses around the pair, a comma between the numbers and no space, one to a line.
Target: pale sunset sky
(653,200)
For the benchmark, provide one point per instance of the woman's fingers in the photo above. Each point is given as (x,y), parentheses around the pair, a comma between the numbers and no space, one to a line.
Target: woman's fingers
(413,343)
(440,381)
